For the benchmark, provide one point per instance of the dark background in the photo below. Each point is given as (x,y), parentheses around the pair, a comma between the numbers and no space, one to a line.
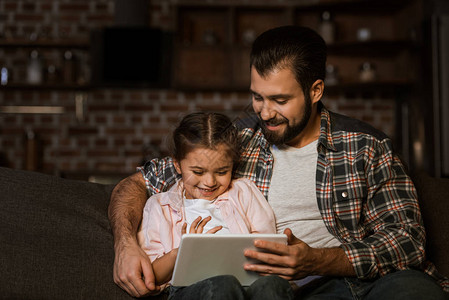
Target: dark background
(98,116)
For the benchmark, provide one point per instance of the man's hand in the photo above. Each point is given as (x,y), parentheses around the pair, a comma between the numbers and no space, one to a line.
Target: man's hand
(132,268)
(133,271)
(291,261)
(297,260)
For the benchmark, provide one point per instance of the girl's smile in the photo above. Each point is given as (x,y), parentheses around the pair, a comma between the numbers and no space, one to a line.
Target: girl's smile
(206,173)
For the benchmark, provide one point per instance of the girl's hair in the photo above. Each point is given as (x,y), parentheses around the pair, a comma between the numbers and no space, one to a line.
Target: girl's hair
(207,130)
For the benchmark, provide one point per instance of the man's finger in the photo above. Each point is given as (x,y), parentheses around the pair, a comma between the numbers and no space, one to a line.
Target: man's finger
(128,286)
(124,287)
(267,258)
(148,275)
(122,281)
(271,247)
(269,270)
(291,239)
(140,287)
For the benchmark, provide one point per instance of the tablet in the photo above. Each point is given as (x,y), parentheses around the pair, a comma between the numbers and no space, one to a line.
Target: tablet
(201,256)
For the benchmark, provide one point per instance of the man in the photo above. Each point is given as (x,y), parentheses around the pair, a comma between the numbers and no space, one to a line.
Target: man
(337,189)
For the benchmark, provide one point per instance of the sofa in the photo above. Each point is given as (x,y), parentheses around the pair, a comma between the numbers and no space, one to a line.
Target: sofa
(55,238)
(56,241)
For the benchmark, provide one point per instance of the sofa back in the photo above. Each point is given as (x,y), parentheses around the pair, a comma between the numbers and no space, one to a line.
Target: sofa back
(55,238)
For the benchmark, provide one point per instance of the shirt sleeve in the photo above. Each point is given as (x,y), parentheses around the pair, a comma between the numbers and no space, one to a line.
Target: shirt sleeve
(393,236)
(159,175)
(148,235)
(258,212)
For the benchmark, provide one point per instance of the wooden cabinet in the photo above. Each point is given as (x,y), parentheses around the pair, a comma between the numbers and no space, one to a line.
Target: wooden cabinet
(213,40)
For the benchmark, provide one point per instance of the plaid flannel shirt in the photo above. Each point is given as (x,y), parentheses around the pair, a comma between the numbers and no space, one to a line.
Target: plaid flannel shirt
(366,199)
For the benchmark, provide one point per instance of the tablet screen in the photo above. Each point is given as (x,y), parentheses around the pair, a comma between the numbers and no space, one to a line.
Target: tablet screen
(201,256)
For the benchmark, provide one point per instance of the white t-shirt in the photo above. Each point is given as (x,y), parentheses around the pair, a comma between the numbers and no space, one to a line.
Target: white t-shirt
(292,195)
(204,208)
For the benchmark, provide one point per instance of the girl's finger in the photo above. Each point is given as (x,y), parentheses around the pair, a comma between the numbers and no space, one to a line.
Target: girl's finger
(184,228)
(203,223)
(215,229)
(194,225)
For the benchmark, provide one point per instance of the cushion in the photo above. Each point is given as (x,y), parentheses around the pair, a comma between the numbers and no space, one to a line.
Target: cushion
(55,238)
(433,194)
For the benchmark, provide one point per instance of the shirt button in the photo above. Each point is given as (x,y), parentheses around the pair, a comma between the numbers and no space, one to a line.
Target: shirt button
(344,194)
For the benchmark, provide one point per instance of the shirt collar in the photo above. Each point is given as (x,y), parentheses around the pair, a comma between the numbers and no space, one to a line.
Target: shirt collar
(262,140)
(175,198)
(325,139)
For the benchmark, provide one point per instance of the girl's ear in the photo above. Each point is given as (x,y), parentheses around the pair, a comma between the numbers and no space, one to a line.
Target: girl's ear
(177,166)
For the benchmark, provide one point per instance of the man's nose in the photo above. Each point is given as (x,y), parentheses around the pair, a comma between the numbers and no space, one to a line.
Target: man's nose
(266,111)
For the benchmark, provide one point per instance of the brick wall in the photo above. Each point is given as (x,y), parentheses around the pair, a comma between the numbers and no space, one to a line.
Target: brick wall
(120,127)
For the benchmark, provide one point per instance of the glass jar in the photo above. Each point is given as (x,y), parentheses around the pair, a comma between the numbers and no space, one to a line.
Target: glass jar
(34,68)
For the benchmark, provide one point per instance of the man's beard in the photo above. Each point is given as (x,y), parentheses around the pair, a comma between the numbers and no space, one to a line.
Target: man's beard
(290,132)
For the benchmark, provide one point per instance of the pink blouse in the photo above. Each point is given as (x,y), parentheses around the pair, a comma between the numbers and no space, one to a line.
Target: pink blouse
(243,208)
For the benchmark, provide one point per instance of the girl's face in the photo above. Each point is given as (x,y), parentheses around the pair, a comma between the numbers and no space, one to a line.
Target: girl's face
(206,173)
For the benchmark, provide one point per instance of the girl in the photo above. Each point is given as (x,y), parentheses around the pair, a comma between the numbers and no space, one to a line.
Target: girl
(206,200)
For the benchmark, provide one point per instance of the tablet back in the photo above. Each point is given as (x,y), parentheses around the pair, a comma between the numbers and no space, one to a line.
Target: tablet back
(201,256)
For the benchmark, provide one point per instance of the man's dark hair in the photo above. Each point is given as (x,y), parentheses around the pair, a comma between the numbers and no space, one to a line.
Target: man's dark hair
(300,49)
(208,130)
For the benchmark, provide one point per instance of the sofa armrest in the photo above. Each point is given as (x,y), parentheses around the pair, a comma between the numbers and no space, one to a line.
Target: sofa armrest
(433,195)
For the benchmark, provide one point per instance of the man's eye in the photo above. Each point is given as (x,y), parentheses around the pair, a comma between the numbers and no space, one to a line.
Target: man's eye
(197,172)
(257,98)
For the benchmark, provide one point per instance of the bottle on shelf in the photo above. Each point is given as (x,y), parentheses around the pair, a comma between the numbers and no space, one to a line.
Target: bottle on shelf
(35,68)
(69,72)
(52,74)
(367,72)
(327,28)
(363,34)
(4,76)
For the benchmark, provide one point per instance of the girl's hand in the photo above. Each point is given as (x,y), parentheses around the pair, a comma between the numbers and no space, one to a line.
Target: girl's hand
(198,226)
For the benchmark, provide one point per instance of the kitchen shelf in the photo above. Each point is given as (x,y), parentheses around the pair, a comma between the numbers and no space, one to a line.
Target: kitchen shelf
(353,6)
(372,47)
(43,87)
(311,5)
(61,44)
(213,40)
(389,87)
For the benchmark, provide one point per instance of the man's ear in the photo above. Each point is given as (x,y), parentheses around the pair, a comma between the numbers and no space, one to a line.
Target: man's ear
(316,91)
(177,166)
